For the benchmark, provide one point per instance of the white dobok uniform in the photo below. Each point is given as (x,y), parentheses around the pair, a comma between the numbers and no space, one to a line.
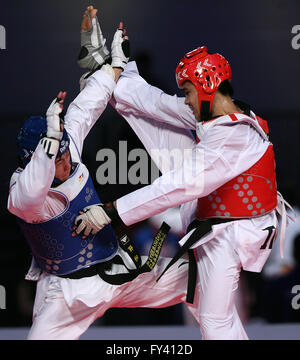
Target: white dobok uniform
(65,308)
(226,150)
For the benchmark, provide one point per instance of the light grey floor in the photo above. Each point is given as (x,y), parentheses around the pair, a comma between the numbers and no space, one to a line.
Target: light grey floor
(255,331)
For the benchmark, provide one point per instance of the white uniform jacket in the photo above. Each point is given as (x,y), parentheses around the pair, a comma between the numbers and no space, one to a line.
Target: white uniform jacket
(226,150)
(29,196)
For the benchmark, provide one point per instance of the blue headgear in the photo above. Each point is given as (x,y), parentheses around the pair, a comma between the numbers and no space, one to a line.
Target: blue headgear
(32,131)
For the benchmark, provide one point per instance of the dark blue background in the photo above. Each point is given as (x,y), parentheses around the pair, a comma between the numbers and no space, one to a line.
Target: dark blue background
(255,36)
(43,41)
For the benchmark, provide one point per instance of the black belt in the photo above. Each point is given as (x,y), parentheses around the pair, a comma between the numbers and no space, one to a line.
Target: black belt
(88,271)
(202,227)
(127,245)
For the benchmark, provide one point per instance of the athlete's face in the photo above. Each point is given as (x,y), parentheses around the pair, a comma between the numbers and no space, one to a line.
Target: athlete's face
(191,98)
(63,166)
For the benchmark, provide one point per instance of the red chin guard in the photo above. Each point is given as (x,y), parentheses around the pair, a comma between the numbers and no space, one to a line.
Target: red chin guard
(206,72)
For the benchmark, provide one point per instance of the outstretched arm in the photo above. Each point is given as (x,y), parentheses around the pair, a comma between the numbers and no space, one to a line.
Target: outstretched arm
(214,161)
(97,85)
(133,95)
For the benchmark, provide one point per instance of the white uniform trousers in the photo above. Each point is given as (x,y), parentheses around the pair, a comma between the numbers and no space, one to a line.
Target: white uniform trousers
(219,261)
(65,308)
(219,270)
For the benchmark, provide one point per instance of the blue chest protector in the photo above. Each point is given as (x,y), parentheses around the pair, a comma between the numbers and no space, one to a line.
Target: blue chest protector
(53,247)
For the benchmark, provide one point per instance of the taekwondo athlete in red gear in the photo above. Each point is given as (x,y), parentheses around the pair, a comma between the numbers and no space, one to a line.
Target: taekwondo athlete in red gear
(232,204)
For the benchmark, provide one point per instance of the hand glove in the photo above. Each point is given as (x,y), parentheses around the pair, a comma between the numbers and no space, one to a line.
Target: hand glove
(51,142)
(120,50)
(92,220)
(50,146)
(54,120)
(94,52)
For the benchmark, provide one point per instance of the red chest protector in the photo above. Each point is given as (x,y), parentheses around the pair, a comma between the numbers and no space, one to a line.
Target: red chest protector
(252,193)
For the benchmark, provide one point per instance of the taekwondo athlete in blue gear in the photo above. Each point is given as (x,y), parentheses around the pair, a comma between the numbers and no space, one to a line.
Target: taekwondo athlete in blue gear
(54,248)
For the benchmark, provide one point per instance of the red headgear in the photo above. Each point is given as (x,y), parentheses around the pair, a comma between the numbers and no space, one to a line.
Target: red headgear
(206,72)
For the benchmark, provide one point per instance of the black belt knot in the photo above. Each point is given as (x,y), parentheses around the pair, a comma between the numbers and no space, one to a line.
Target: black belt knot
(202,227)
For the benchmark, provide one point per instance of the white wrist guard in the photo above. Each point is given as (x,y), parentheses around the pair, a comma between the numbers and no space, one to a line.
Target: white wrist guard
(53,120)
(106,68)
(50,146)
(109,71)
(119,50)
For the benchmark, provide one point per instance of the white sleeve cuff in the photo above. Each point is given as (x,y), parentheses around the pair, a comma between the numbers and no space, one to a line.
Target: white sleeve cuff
(109,71)
(105,77)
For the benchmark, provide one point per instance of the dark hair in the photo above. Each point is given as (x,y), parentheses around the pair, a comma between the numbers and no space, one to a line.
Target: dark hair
(226,88)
